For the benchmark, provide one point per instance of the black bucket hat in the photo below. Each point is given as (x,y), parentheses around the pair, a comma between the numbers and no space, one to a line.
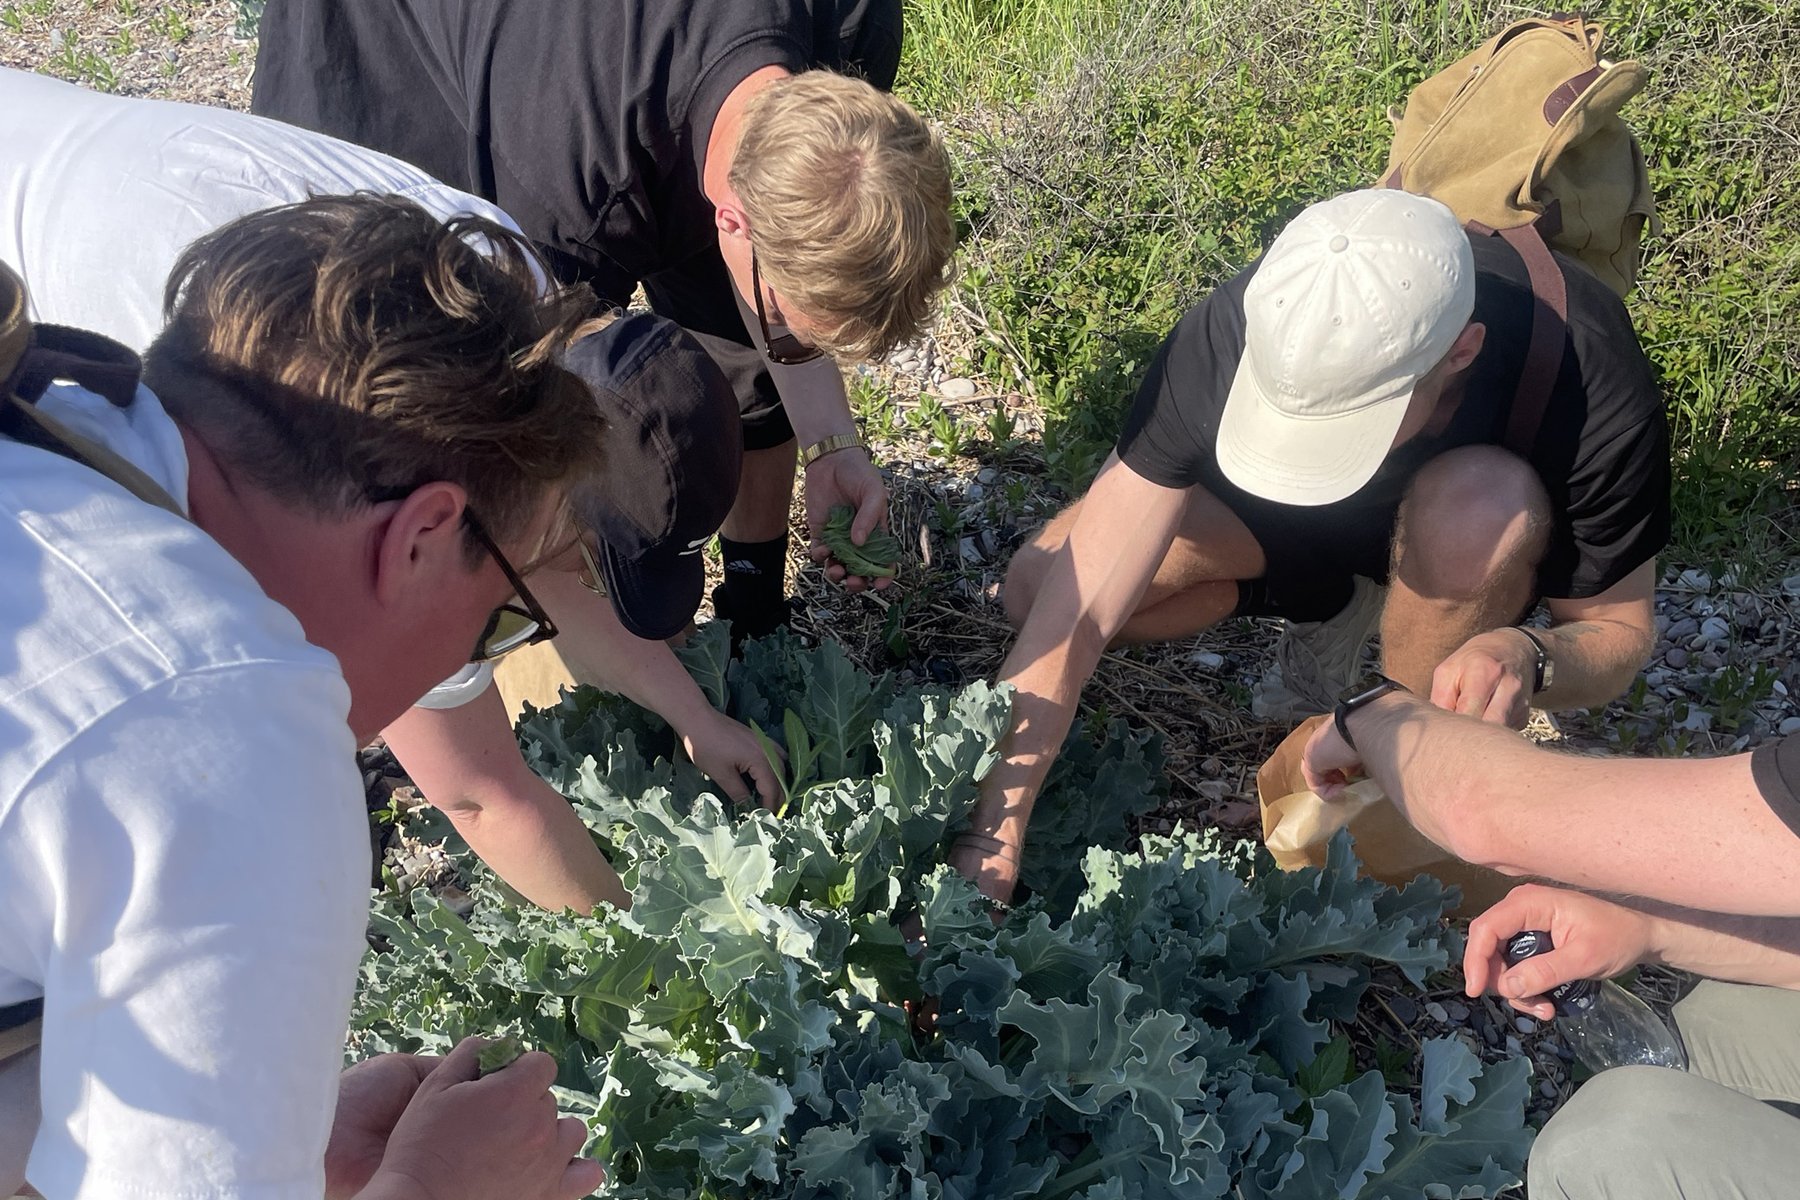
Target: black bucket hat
(674,450)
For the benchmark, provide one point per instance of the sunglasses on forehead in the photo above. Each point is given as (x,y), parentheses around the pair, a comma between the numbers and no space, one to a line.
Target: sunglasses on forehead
(509,626)
(782,348)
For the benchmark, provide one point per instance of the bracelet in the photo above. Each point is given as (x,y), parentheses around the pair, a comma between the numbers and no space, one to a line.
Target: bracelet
(829,445)
(1542,668)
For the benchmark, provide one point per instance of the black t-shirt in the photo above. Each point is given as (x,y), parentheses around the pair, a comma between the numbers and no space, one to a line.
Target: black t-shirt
(586,120)
(1776,768)
(1602,450)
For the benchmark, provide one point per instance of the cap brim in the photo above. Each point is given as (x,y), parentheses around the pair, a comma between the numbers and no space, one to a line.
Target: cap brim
(657,595)
(1310,461)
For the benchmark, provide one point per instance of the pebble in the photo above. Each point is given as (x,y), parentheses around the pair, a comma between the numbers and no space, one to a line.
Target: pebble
(1437,1012)
(1789,727)
(1548,1090)
(1212,768)
(1524,1024)
(1405,1011)
(1514,1047)
(1685,628)
(1791,585)
(987,476)
(1676,657)
(1206,660)
(1458,1012)
(1695,579)
(1715,629)
(1698,720)
(956,388)
(1491,1035)
(1710,660)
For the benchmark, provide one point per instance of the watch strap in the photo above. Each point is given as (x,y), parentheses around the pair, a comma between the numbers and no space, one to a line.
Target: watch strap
(828,445)
(1349,704)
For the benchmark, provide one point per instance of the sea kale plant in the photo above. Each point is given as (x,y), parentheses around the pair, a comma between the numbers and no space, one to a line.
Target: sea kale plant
(808,1003)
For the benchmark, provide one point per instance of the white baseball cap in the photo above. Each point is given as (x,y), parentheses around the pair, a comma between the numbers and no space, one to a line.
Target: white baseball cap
(1360,296)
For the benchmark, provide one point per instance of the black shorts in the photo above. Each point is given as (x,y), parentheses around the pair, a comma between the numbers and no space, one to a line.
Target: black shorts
(1313,554)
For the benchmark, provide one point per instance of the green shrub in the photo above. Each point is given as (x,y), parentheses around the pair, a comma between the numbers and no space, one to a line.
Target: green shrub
(1116,161)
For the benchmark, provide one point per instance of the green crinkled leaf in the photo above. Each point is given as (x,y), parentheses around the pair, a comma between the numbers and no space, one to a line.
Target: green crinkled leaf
(1148,1027)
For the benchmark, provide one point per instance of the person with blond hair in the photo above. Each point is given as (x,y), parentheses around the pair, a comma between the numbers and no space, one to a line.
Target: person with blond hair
(353,440)
(740,159)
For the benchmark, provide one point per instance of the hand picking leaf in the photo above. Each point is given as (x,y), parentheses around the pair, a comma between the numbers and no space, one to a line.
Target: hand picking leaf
(877,558)
(498,1054)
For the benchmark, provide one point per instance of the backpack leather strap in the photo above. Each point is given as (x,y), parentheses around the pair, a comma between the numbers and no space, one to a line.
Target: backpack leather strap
(1549,329)
(98,364)
(1549,334)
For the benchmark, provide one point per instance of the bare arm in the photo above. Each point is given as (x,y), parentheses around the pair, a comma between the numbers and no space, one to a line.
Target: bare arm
(1094,583)
(466,761)
(1691,832)
(600,650)
(1596,646)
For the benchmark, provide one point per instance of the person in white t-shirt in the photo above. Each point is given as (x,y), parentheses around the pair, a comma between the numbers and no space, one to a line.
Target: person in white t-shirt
(361,424)
(98,196)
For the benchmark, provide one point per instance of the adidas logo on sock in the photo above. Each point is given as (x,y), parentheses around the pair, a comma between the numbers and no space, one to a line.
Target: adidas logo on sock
(743,566)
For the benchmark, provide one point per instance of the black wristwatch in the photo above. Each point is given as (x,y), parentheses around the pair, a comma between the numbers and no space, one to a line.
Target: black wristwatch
(1367,694)
(1543,670)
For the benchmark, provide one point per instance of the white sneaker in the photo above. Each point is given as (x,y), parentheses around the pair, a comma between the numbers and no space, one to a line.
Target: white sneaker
(1317,662)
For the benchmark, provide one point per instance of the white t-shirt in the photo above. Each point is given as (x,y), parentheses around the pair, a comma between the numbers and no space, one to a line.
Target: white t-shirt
(100,194)
(184,855)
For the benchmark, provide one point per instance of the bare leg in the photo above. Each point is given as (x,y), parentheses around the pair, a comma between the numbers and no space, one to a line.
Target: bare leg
(765,491)
(1195,587)
(1470,536)
(18,1118)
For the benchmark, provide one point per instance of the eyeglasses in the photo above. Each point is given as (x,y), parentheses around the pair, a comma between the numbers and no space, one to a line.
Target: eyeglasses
(784,349)
(589,575)
(509,626)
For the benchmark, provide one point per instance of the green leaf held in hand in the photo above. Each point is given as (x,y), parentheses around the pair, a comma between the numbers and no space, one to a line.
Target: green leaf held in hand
(876,558)
(498,1054)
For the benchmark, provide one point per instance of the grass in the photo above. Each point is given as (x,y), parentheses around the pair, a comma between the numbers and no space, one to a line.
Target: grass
(1117,160)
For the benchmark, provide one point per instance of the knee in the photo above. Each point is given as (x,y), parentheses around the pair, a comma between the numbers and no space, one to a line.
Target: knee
(1625,1125)
(1472,515)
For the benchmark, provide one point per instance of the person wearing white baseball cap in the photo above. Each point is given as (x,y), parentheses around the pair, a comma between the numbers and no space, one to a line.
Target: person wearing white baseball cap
(1332,419)
(1358,303)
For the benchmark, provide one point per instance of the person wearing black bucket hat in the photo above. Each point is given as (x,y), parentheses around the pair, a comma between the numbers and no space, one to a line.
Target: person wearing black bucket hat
(667,482)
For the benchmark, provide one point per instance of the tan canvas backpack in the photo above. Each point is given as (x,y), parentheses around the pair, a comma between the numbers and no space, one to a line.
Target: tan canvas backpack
(1526,131)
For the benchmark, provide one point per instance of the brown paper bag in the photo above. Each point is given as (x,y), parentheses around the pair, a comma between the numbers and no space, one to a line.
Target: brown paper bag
(1297,827)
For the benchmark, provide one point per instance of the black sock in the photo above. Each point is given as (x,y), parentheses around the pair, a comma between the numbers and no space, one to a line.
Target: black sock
(754,595)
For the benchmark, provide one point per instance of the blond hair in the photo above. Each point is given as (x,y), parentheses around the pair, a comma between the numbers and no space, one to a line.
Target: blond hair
(346,350)
(848,195)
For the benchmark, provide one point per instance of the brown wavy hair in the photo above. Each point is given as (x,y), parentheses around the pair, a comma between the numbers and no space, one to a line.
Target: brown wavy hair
(348,349)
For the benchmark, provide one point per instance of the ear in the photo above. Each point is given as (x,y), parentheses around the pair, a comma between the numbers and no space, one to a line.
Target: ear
(1467,347)
(729,217)
(421,543)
